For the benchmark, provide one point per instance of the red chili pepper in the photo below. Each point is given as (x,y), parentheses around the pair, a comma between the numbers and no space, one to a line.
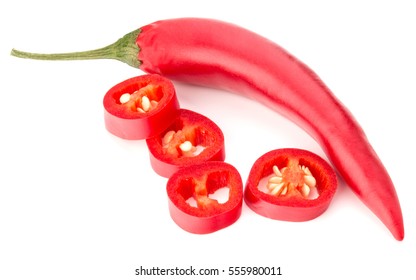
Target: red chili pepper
(291,185)
(191,139)
(140,107)
(222,55)
(192,204)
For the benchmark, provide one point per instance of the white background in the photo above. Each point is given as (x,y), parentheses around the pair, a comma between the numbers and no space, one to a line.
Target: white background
(78,203)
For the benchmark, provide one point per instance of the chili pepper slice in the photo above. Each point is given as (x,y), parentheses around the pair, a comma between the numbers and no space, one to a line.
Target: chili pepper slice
(291,185)
(140,107)
(191,139)
(191,192)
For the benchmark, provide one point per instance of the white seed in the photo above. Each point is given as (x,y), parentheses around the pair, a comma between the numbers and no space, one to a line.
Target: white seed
(277,171)
(124,98)
(309,180)
(306,170)
(145,103)
(274,191)
(168,137)
(284,191)
(140,110)
(273,186)
(275,180)
(186,146)
(305,190)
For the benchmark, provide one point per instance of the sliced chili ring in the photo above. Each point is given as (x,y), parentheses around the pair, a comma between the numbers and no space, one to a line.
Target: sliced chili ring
(140,107)
(290,185)
(191,139)
(199,183)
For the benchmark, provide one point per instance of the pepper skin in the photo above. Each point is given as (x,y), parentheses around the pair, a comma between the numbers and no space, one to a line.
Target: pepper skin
(221,55)
(191,139)
(150,107)
(200,182)
(300,187)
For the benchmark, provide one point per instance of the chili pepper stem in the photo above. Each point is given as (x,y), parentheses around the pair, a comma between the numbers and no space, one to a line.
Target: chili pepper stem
(124,49)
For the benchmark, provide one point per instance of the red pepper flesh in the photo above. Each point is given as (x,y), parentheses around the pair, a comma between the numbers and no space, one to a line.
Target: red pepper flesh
(291,199)
(150,107)
(221,55)
(199,182)
(203,139)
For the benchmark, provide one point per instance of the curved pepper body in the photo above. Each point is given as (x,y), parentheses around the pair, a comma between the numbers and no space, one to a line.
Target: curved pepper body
(225,56)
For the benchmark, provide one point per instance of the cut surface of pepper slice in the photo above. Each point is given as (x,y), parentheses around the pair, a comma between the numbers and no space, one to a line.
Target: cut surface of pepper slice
(140,107)
(191,139)
(291,185)
(199,183)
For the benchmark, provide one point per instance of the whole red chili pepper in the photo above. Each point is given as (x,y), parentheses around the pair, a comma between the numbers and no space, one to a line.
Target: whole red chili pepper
(291,185)
(190,139)
(140,107)
(225,56)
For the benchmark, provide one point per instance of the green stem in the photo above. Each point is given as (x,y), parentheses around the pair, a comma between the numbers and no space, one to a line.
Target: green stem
(124,49)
